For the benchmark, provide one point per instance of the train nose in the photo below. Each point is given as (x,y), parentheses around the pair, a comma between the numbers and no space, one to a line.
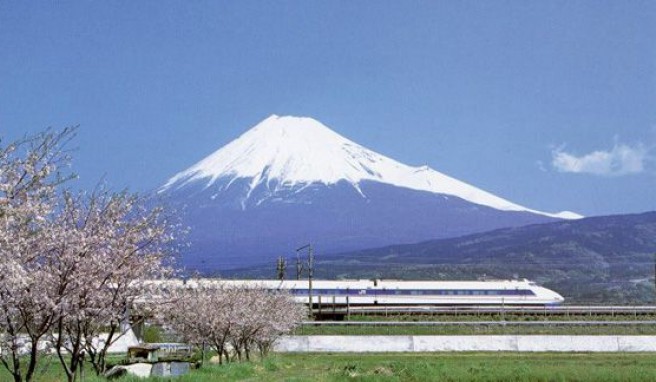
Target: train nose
(551,296)
(558,298)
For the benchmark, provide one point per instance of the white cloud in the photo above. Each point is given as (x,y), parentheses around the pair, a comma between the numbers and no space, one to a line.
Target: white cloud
(622,159)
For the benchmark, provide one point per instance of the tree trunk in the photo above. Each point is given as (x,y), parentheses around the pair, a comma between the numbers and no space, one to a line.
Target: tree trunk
(34,352)
(62,360)
(18,377)
(14,368)
(219,352)
(100,356)
(69,368)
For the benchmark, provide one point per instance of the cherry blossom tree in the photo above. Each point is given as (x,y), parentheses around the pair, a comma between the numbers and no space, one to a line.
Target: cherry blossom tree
(229,318)
(200,315)
(29,177)
(71,265)
(278,314)
(114,243)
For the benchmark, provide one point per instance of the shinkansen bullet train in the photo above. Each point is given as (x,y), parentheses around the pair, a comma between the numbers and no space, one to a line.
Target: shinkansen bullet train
(398,293)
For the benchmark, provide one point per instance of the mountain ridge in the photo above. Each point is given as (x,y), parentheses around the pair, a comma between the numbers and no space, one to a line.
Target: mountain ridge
(295,151)
(601,259)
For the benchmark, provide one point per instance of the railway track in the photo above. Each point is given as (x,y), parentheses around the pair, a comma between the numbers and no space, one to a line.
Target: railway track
(478,323)
(339,312)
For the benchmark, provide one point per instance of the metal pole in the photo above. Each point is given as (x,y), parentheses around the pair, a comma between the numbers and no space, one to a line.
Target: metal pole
(310,275)
(299,267)
(310,264)
(280,268)
(503,315)
(348,311)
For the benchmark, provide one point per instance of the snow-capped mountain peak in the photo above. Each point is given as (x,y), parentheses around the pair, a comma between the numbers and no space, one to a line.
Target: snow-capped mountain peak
(291,151)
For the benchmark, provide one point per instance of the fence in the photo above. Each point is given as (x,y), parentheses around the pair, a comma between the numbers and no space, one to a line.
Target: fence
(555,327)
(545,311)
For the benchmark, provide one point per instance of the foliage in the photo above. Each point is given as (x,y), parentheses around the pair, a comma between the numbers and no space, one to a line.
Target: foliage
(29,298)
(233,320)
(110,245)
(70,264)
(152,334)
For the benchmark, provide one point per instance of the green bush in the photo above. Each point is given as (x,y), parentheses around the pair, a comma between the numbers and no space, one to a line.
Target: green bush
(152,334)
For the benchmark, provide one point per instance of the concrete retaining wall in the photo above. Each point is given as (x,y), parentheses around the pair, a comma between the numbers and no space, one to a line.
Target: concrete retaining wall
(120,343)
(363,344)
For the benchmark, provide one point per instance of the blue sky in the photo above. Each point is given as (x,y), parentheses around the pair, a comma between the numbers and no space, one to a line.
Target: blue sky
(549,104)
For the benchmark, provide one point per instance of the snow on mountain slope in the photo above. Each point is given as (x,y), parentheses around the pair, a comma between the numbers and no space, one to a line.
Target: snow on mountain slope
(295,151)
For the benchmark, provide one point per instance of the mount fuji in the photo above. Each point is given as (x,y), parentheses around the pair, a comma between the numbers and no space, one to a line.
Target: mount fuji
(289,181)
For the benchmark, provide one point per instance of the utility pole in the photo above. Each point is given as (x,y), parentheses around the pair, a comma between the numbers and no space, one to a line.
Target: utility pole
(281,268)
(310,275)
(299,266)
(310,264)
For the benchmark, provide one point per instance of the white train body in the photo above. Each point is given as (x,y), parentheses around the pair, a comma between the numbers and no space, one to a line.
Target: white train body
(398,292)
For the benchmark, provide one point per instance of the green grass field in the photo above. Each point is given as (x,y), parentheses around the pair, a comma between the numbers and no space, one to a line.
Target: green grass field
(417,367)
